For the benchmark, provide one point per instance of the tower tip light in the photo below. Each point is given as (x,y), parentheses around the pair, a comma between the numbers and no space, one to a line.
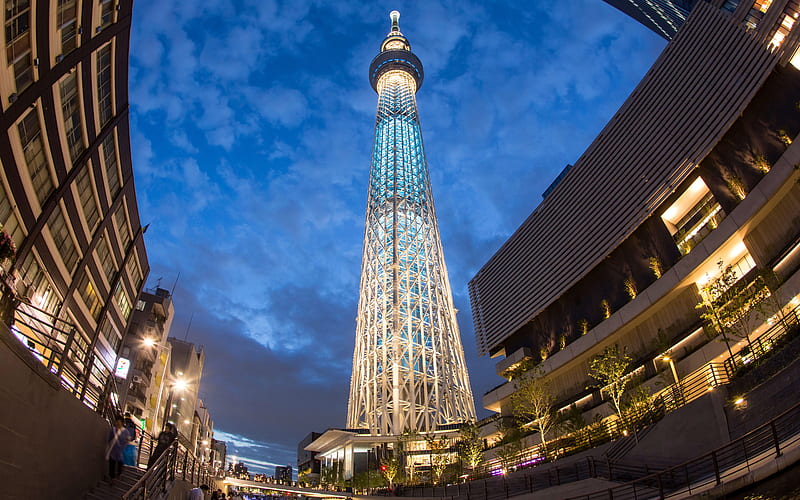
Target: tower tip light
(395,17)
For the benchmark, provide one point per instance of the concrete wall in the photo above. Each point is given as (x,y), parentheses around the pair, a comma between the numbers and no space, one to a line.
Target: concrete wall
(776,392)
(695,429)
(52,445)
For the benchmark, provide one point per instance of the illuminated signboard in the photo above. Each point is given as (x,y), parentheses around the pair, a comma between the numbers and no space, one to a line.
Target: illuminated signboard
(123,365)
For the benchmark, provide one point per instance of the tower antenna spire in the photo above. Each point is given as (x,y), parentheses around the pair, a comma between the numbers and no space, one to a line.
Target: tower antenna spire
(395,17)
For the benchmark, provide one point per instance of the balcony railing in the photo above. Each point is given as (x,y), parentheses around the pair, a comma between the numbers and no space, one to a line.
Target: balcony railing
(63,351)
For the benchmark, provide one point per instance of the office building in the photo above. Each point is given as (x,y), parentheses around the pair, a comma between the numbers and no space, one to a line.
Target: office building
(283,474)
(308,466)
(770,19)
(143,392)
(186,369)
(67,196)
(697,168)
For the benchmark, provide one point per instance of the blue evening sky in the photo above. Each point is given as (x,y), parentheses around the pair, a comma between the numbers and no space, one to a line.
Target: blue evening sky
(252,126)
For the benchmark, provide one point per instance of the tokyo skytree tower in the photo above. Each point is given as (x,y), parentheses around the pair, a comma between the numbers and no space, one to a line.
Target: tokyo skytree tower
(408,366)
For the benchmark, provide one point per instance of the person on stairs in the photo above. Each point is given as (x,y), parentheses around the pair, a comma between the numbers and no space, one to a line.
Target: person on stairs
(118,439)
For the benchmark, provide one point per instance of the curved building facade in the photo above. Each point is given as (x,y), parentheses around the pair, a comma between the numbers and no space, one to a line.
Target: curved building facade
(67,196)
(696,168)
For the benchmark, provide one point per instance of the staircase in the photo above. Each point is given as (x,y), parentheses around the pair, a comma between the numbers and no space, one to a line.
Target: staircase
(104,490)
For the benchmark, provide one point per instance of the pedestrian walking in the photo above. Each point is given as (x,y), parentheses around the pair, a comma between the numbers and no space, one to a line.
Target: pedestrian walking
(129,454)
(165,439)
(118,439)
(198,493)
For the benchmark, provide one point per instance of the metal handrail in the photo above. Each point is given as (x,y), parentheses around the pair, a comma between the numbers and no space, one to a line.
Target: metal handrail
(177,462)
(712,469)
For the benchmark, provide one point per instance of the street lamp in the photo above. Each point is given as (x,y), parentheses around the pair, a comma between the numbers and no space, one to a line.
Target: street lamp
(177,385)
(672,368)
(150,342)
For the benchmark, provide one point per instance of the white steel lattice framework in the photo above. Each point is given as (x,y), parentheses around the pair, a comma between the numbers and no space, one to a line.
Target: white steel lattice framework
(408,366)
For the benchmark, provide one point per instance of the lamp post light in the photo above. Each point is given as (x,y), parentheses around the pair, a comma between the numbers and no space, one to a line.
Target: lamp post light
(672,368)
(150,342)
(177,385)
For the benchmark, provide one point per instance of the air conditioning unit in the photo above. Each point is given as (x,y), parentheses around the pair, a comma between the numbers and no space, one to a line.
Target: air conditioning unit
(137,379)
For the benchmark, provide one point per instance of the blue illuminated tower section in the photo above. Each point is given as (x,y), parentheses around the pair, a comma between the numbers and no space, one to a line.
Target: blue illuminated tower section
(408,366)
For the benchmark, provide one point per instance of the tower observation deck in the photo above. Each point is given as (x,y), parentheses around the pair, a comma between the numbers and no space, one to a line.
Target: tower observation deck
(409,371)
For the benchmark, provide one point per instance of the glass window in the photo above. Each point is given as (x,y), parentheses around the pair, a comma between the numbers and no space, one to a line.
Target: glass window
(692,216)
(39,290)
(67,19)
(135,275)
(122,225)
(112,173)
(30,136)
(70,106)
(111,335)
(18,41)
(122,300)
(140,305)
(756,13)
(89,294)
(104,84)
(106,260)
(730,5)
(63,239)
(8,219)
(106,12)
(787,20)
(88,203)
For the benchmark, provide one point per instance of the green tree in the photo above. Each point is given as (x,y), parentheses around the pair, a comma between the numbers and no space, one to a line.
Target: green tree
(610,369)
(470,446)
(403,444)
(439,457)
(332,475)
(730,306)
(773,302)
(533,403)
(510,447)
(392,469)
(368,479)
(571,420)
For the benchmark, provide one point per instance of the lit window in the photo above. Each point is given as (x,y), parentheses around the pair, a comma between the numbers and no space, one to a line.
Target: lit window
(395,45)
(39,289)
(693,215)
(89,295)
(790,15)
(122,300)
(134,274)
(140,305)
(762,5)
